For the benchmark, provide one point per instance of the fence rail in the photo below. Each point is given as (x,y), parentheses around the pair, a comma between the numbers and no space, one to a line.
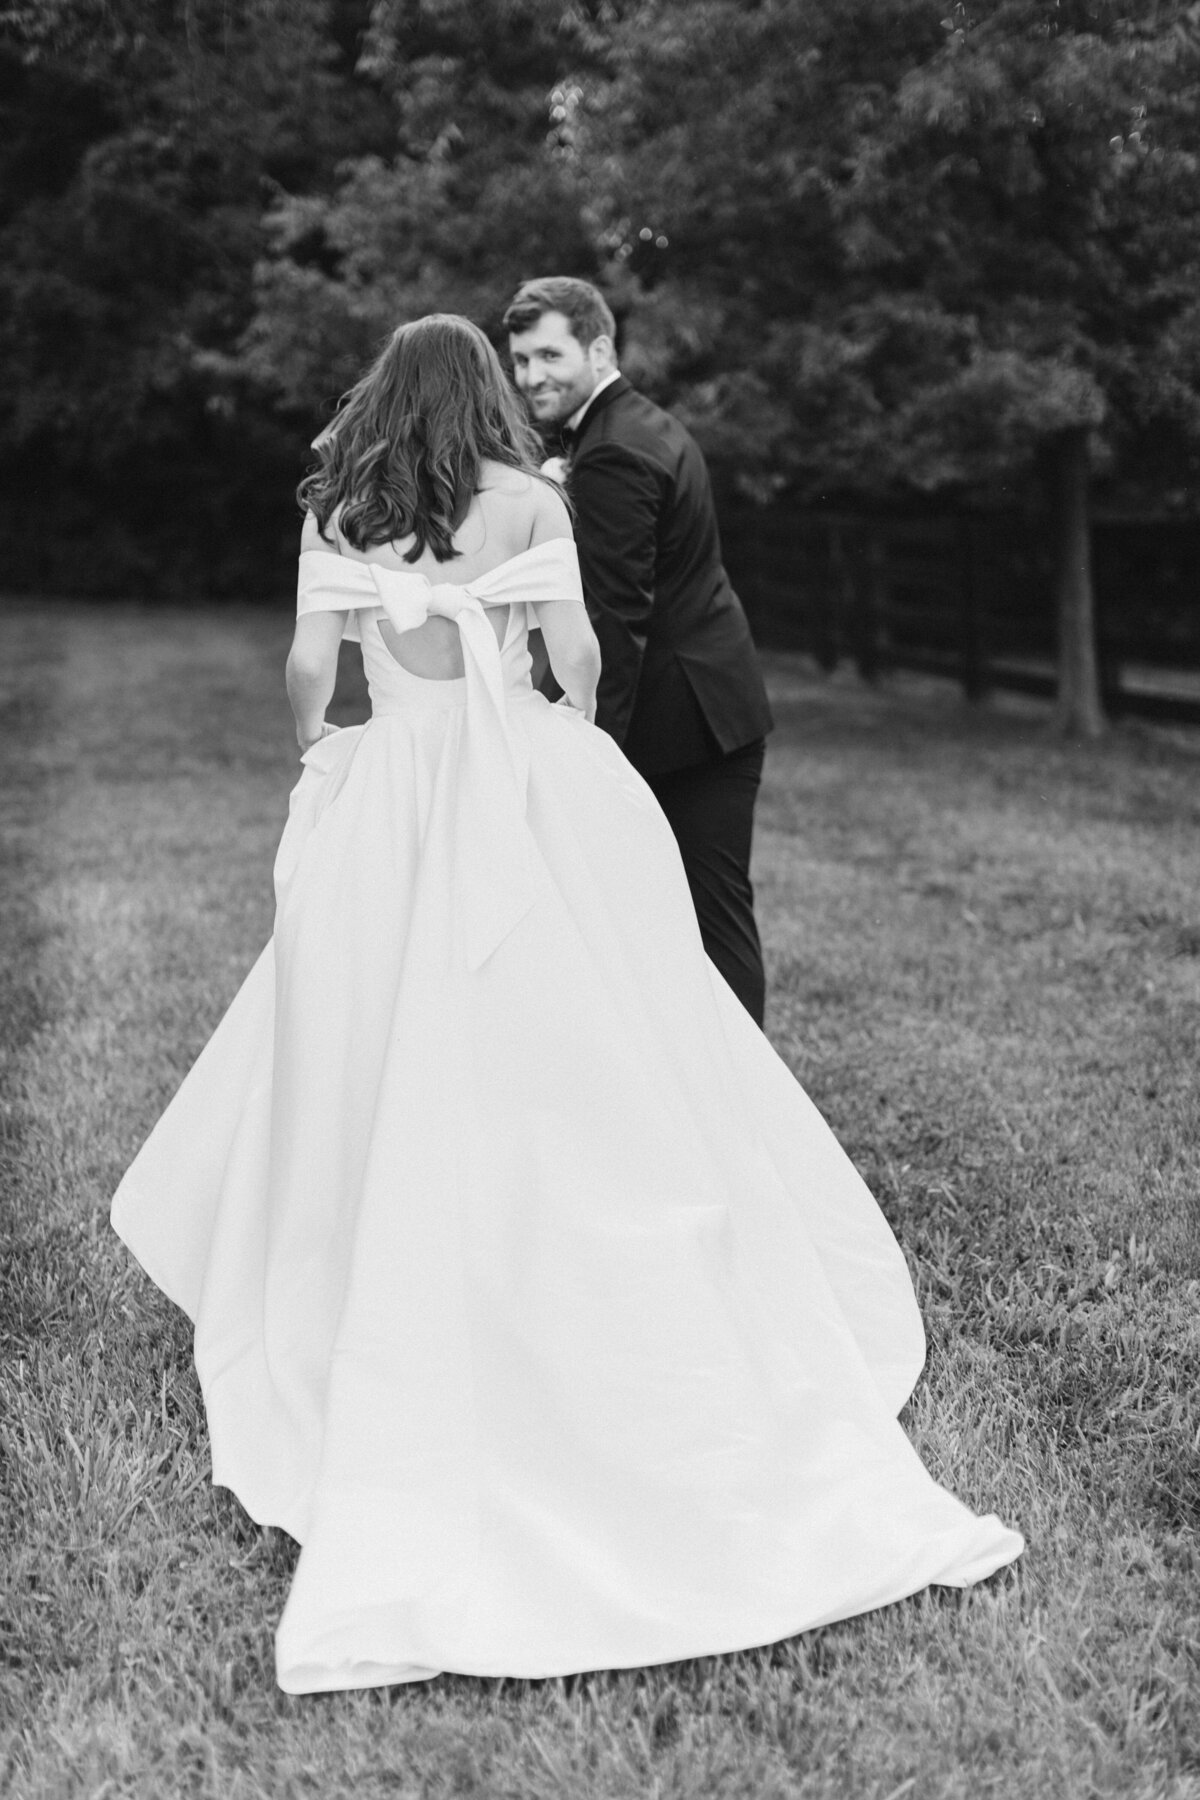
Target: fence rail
(970,596)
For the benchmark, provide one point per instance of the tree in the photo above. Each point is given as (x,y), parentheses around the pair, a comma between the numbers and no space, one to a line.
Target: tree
(875,246)
(127,249)
(948,253)
(482,189)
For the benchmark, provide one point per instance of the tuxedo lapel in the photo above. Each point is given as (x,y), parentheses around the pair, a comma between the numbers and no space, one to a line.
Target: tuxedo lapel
(573,440)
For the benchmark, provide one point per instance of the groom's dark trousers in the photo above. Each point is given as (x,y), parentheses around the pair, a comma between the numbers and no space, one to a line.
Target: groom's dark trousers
(680,690)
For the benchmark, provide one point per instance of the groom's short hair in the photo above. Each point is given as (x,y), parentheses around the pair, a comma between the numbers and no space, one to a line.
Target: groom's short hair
(583,306)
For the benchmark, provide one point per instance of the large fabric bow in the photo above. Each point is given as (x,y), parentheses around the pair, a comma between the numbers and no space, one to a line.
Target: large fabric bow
(495,857)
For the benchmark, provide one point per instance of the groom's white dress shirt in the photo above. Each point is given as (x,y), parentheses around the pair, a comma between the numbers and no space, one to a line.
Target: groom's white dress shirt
(577,417)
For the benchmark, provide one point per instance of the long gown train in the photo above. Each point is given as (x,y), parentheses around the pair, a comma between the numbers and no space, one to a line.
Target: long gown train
(531,1293)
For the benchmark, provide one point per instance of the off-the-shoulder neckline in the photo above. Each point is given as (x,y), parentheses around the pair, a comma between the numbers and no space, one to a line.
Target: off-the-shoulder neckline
(419,574)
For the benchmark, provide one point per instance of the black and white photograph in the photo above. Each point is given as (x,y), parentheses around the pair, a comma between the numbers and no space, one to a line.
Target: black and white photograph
(600,900)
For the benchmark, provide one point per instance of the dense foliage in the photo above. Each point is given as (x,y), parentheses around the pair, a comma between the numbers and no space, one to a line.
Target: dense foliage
(930,251)
(869,247)
(144,143)
(482,188)
(926,243)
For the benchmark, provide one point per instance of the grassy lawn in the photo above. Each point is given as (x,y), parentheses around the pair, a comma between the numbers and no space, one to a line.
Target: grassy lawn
(984,955)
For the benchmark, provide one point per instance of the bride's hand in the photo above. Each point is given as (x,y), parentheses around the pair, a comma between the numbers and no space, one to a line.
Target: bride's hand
(306,742)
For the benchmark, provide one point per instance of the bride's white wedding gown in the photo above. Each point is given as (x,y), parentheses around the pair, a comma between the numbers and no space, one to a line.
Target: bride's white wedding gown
(532,1295)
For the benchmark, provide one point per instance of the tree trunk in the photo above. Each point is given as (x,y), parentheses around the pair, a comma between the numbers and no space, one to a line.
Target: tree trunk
(1079,711)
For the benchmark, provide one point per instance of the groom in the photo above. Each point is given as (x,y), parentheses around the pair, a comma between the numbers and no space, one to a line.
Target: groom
(681,690)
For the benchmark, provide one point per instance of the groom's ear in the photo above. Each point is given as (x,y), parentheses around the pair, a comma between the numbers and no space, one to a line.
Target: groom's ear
(602,354)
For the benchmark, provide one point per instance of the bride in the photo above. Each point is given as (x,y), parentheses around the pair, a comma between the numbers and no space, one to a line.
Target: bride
(531,1294)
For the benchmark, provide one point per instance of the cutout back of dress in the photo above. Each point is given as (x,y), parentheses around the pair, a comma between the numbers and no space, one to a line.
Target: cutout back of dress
(493,531)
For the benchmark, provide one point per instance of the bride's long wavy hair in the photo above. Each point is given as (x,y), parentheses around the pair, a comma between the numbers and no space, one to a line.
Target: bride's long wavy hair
(403,453)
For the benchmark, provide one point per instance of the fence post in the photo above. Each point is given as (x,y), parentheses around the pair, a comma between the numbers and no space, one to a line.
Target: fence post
(842,605)
(749,582)
(823,605)
(973,660)
(871,607)
(1108,656)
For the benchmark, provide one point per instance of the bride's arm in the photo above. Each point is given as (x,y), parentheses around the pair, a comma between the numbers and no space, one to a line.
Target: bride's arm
(313,658)
(566,629)
(573,651)
(312,671)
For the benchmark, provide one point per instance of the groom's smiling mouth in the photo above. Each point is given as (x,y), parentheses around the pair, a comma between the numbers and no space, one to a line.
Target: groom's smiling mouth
(550,403)
(543,397)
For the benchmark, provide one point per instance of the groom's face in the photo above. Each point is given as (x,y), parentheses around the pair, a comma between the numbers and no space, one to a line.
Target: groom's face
(553,370)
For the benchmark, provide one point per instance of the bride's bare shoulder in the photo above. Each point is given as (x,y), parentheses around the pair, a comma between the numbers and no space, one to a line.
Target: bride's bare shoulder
(499,478)
(531,509)
(312,537)
(550,516)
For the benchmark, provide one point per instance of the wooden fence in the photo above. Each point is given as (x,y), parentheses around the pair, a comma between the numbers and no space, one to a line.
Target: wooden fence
(970,596)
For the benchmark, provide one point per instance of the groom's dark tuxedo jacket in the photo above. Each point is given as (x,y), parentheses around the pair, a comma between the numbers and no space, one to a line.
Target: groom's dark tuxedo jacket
(681,683)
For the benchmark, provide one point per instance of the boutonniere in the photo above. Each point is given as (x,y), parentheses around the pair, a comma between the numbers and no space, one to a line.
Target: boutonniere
(558,468)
